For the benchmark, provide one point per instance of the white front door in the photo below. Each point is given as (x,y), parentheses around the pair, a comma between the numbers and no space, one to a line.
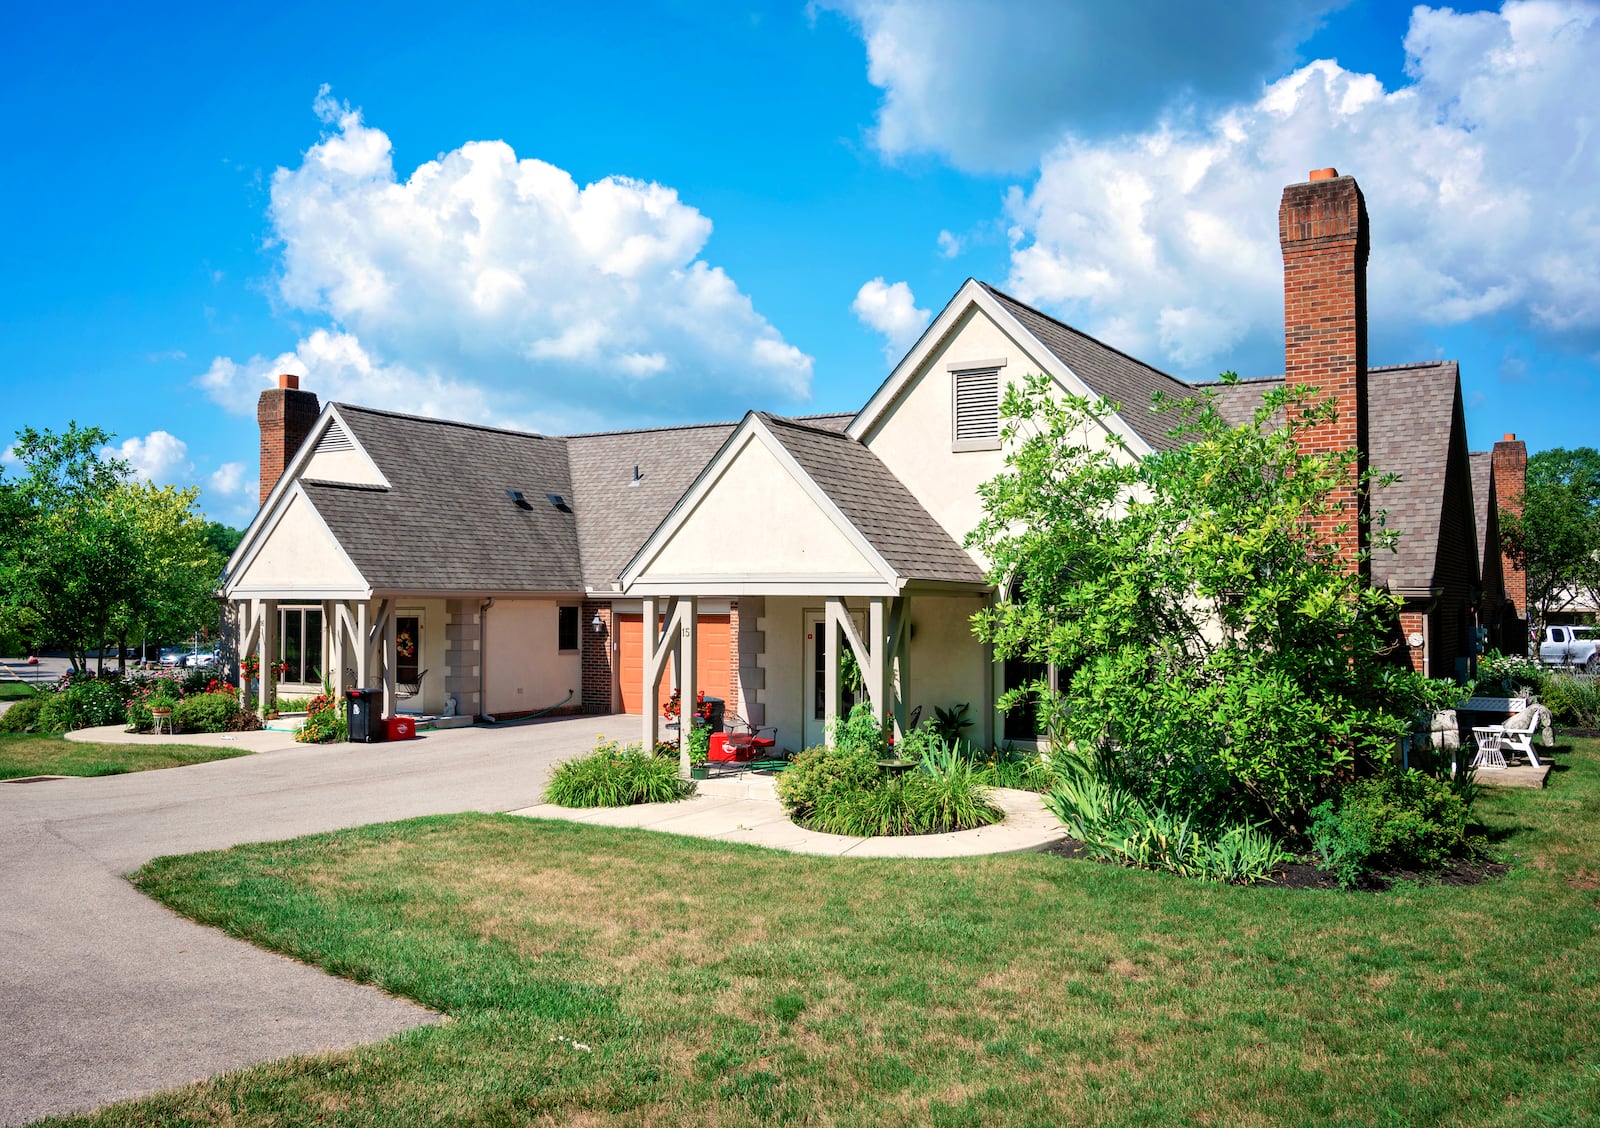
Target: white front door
(815,664)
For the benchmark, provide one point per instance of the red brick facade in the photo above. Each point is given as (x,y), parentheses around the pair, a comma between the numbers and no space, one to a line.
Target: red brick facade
(286,415)
(599,657)
(1322,228)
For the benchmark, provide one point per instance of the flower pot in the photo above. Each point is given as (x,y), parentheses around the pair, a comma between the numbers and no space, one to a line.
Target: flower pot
(699,771)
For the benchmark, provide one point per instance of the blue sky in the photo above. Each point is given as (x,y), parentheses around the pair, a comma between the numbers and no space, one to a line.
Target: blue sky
(668,211)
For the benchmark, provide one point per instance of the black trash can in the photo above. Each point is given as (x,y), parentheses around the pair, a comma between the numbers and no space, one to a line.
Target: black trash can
(361,708)
(718,710)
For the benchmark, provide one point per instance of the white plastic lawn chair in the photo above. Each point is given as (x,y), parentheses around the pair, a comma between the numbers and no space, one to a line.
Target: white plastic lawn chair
(1516,735)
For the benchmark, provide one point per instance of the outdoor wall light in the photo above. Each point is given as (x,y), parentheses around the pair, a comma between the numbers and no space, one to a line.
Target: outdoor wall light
(597,623)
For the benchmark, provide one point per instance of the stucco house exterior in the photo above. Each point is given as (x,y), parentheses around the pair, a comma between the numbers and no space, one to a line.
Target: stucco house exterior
(506,573)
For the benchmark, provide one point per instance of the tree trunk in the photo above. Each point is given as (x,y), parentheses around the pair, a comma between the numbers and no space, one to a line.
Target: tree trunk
(122,654)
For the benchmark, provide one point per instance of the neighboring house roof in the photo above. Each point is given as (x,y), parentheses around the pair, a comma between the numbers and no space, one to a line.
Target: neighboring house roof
(876,502)
(616,518)
(1410,416)
(1110,374)
(1482,462)
(828,421)
(445,523)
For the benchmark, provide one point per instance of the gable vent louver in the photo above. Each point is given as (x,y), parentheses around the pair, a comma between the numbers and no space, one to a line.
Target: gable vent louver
(334,439)
(977,409)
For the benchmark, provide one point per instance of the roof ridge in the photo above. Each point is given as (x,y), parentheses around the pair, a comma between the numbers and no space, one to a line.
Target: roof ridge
(342,406)
(1411,364)
(999,293)
(800,425)
(1240,380)
(646,430)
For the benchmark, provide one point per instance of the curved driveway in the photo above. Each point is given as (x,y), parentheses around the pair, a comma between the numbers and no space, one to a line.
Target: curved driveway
(107,995)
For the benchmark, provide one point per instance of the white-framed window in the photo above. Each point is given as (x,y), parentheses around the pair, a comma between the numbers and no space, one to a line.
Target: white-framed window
(300,644)
(975,406)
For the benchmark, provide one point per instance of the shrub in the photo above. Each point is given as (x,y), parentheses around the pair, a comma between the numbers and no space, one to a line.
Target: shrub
(207,712)
(24,715)
(1400,820)
(1505,673)
(820,774)
(860,731)
(615,776)
(198,679)
(323,726)
(82,701)
(1114,825)
(1572,701)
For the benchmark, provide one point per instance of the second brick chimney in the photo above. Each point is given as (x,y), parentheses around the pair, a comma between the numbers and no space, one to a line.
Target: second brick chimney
(1510,468)
(1322,227)
(286,415)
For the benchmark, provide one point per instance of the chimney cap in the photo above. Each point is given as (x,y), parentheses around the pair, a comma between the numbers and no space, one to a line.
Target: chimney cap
(289,380)
(1323,174)
(1510,438)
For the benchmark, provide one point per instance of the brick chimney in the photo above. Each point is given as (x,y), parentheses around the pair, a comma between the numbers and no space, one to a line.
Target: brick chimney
(1509,464)
(286,415)
(1322,227)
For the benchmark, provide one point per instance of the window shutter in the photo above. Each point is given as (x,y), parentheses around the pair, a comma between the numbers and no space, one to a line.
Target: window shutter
(977,411)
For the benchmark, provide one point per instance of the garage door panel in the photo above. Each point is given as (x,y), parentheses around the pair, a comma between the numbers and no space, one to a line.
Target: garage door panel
(713,668)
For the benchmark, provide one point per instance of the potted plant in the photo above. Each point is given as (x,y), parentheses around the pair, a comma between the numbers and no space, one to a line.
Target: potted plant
(162,703)
(699,750)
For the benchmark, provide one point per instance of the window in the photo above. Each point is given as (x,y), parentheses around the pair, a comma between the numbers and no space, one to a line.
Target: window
(976,413)
(567,629)
(300,644)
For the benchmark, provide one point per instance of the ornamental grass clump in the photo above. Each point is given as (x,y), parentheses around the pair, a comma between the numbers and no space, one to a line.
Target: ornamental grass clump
(614,775)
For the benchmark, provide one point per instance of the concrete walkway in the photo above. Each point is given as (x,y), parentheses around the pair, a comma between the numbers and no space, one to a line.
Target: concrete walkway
(107,995)
(746,809)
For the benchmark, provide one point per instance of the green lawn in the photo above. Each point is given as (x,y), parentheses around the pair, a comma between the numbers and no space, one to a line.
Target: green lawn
(726,985)
(31,754)
(15,690)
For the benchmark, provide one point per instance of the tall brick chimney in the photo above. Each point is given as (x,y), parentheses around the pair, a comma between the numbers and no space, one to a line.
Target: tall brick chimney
(1322,227)
(286,415)
(1510,467)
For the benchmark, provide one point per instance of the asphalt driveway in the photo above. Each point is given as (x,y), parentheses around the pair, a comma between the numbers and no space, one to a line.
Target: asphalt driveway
(107,995)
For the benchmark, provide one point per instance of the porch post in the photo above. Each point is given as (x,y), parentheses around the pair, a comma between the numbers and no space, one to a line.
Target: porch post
(900,652)
(330,646)
(652,675)
(687,637)
(362,647)
(391,662)
(835,612)
(267,699)
(246,637)
(876,668)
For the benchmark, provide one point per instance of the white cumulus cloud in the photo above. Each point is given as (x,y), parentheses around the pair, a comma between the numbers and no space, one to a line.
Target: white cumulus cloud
(481,268)
(1479,175)
(229,478)
(892,311)
(949,245)
(989,85)
(158,457)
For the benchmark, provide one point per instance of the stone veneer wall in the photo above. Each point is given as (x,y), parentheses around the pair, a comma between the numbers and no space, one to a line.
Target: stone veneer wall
(463,634)
(749,646)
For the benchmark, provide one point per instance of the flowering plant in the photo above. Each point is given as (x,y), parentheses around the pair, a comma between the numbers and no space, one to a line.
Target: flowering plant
(250,666)
(321,703)
(672,708)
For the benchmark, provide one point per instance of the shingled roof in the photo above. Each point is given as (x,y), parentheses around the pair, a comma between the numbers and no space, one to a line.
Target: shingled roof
(1109,373)
(445,523)
(1410,413)
(1482,463)
(876,502)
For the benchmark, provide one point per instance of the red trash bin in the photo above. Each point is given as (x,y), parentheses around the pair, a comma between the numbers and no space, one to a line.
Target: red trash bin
(400,728)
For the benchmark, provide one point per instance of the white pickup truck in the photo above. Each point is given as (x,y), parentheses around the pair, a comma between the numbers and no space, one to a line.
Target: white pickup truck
(1577,647)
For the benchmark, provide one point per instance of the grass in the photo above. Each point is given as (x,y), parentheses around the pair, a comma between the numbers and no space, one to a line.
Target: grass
(15,690)
(715,984)
(31,754)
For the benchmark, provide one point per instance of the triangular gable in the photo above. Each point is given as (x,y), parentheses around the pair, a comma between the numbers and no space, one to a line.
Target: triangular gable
(296,556)
(914,365)
(756,523)
(329,435)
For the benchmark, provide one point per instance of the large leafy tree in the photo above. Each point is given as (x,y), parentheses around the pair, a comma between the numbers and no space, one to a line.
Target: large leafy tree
(1210,649)
(90,558)
(1556,537)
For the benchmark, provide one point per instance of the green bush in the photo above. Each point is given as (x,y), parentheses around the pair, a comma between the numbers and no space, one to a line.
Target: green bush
(325,726)
(820,774)
(24,715)
(1572,701)
(1505,674)
(1115,825)
(615,776)
(1400,820)
(83,701)
(207,712)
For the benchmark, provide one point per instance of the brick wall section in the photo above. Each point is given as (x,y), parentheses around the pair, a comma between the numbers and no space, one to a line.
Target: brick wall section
(735,695)
(599,657)
(1510,469)
(463,633)
(286,415)
(1322,228)
(1411,622)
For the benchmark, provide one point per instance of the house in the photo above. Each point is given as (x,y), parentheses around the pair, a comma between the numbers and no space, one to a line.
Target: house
(501,573)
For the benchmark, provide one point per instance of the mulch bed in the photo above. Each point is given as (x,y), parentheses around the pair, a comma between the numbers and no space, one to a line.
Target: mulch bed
(1577,731)
(1304,875)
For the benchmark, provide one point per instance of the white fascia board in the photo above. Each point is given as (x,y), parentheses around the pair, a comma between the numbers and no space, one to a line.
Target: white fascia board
(751,429)
(273,514)
(972,293)
(780,584)
(267,516)
(287,593)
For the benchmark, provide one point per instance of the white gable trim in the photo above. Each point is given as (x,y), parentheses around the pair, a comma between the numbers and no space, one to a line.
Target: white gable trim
(972,293)
(271,509)
(752,429)
(275,514)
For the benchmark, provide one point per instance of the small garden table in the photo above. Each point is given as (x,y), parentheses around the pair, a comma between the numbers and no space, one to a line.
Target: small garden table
(1488,742)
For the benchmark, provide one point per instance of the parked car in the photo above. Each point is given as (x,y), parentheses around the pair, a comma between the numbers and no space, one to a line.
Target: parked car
(1575,647)
(173,656)
(203,658)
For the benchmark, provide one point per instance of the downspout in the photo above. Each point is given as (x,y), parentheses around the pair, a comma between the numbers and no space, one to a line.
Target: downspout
(483,659)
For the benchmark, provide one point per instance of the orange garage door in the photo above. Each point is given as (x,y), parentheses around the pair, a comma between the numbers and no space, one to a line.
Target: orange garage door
(712,667)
